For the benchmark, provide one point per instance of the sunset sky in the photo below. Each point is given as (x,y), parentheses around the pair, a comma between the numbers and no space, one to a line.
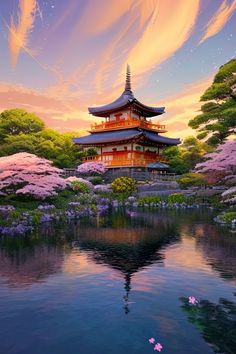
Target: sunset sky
(60,56)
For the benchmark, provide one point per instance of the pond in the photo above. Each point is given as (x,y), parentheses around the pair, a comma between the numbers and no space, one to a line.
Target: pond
(108,285)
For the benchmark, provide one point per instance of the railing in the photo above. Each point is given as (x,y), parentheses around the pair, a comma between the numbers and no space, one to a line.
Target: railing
(129,123)
(120,161)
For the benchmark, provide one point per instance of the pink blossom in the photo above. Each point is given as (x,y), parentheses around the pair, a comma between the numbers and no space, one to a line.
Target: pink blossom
(28,174)
(151,340)
(158,347)
(192,300)
(95,167)
(222,160)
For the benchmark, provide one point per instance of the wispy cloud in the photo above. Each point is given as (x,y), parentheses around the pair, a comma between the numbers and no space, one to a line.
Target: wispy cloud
(19,29)
(219,20)
(168,28)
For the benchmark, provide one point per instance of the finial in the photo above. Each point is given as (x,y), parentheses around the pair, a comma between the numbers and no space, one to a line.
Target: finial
(128,79)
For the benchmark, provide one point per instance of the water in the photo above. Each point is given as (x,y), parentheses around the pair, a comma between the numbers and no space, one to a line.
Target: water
(109,285)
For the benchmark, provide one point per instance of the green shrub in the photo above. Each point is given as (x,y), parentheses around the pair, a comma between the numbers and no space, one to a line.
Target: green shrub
(80,187)
(95,180)
(176,198)
(192,179)
(228,216)
(149,200)
(123,184)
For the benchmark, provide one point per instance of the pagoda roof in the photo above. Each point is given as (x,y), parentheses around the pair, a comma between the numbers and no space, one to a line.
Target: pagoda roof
(124,135)
(126,100)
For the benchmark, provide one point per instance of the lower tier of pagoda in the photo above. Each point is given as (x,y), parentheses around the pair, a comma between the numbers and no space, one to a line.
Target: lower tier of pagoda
(126,159)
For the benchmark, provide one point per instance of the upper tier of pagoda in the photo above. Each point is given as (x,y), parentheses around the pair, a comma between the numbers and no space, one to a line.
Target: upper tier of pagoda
(126,101)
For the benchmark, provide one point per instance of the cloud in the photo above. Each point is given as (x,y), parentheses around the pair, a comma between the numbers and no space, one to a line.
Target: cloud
(168,28)
(51,109)
(219,20)
(19,31)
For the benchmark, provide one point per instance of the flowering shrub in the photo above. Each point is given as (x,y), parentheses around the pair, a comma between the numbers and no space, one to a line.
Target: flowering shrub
(6,210)
(102,188)
(123,185)
(229,195)
(92,168)
(28,174)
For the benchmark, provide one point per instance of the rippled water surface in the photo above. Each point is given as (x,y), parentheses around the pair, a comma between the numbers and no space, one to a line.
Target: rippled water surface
(109,285)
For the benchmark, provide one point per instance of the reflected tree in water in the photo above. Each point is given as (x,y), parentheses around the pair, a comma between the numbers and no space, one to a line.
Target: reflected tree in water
(216,322)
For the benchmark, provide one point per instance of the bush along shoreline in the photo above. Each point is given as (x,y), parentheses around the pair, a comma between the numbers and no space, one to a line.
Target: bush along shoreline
(34,193)
(25,216)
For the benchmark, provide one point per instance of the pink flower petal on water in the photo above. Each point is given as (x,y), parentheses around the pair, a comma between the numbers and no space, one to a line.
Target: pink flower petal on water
(158,347)
(151,340)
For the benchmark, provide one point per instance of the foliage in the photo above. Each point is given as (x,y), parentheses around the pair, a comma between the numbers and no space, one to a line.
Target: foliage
(80,187)
(150,200)
(218,118)
(183,158)
(216,323)
(28,175)
(21,131)
(16,121)
(192,180)
(227,217)
(176,198)
(92,168)
(96,180)
(123,185)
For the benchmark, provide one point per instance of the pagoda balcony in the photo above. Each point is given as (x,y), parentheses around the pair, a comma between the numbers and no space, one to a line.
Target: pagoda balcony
(126,124)
(127,159)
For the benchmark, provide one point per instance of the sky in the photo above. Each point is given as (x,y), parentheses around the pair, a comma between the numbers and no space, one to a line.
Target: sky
(60,56)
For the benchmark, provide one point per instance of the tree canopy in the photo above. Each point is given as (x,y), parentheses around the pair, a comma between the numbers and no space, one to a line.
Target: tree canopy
(218,118)
(183,158)
(21,131)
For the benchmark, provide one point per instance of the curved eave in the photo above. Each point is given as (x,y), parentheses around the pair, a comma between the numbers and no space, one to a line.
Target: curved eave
(108,137)
(160,139)
(126,100)
(119,136)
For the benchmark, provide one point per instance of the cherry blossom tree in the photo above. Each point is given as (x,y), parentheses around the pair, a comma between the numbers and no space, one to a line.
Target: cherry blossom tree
(30,175)
(222,160)
(221,166)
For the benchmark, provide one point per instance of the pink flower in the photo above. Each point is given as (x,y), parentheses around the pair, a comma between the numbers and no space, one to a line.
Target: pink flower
(28,174)
(192,300)
(151,340)
(158,347)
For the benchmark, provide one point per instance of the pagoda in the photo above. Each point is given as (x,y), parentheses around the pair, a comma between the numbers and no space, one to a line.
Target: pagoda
(127,137)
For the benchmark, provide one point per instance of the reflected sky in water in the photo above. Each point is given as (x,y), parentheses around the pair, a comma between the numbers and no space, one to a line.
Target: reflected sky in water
(108,285)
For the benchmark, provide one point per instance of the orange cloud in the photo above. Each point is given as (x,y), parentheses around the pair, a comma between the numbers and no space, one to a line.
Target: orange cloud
(219,20)
(19,32)
(56,113)
(168,28)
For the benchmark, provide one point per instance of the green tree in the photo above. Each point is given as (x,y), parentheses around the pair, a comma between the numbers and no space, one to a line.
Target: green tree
(218,118)
(21,131)
(183,158)
(16,121)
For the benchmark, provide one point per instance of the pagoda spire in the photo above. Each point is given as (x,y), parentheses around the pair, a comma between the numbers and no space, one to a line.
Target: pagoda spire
(128,79)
